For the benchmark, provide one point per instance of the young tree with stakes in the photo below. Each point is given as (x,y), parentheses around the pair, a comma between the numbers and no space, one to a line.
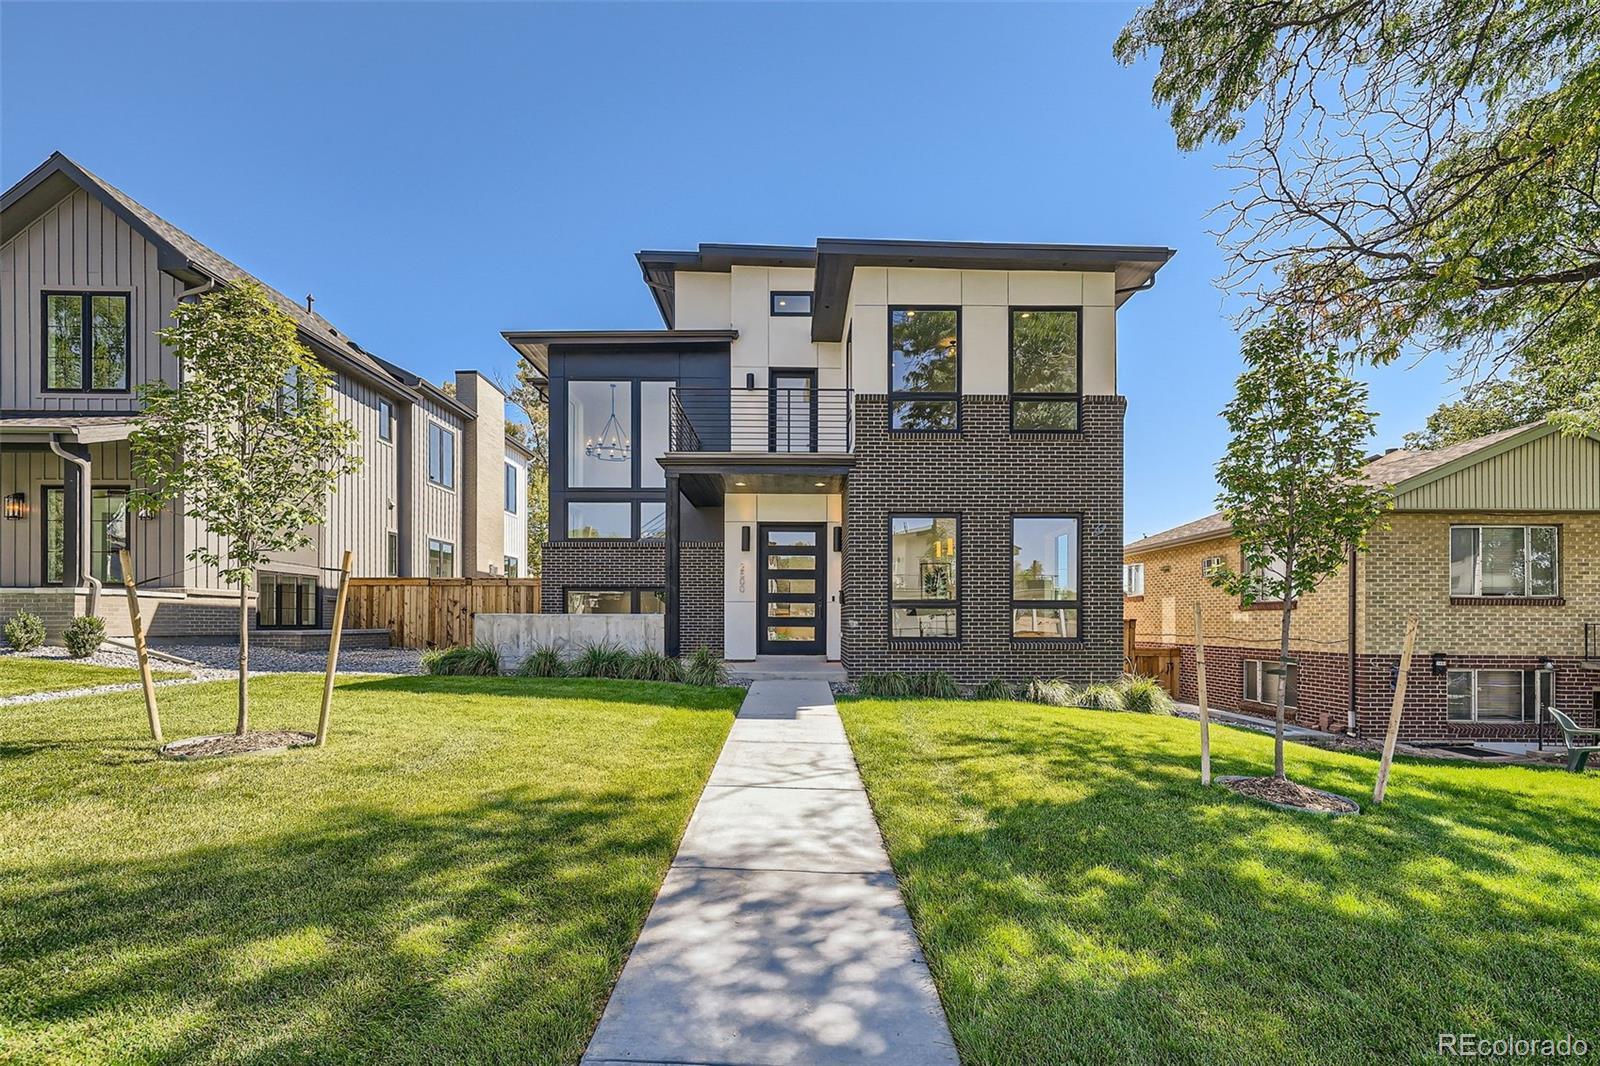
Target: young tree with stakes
(1291,480)
(248,443)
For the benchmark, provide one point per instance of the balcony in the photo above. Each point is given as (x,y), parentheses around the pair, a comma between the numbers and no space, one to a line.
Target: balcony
(780,440)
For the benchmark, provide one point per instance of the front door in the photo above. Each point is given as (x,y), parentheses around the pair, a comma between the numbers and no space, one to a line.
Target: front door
(789,603)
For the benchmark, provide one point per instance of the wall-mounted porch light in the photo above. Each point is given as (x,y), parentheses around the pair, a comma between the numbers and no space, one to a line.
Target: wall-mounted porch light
(1440,664)
(16,506)
(1546,663)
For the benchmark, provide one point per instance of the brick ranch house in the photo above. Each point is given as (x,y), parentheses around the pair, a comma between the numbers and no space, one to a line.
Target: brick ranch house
(87,277)
(1494,544)
(898,455)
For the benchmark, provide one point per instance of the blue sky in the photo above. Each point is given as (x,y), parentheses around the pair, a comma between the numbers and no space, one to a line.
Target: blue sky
(436,173)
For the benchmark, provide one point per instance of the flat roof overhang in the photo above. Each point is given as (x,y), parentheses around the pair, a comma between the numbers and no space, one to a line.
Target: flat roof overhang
(707,478)
(534,345)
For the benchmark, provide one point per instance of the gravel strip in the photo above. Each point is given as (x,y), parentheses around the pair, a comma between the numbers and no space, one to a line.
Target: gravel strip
(222,660)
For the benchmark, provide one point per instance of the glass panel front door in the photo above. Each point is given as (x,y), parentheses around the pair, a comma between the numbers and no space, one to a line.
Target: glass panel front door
(790,616)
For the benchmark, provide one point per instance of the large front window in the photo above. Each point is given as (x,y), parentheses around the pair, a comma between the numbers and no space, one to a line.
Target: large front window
(1044,578)
(924,368)
(86,338)
(923,601)
(1499,695)
(599,520)
(616,433)
(615,601)
(1504,561)
(1045,369)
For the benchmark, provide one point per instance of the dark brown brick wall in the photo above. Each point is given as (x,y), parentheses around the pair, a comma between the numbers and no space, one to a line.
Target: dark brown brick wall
(1322,691)
(700,580)
(984,475)
(603,564)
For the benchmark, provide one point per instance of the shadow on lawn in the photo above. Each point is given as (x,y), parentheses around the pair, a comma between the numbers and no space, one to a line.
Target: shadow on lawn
(605,690)
(485,932)
(1106,904)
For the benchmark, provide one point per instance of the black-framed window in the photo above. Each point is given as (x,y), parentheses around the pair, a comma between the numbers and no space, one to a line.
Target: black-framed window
(616,601)
(55,535)
(791,304)
(1046,551)
(87,337)
(286,601)
(511,489)
(441,558)
(612,492)
(599,520)
(441,456)
(393,549)
(1046,345)
(924,577)
(110,529)
(925,369)
(385,421)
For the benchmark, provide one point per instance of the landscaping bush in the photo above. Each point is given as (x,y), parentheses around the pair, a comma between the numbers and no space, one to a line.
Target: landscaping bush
(705,668)
(1144,695)
(993,689)
(1051,693)
(1099,697)
(545,661)
(83,636)
(654,666)
(604,659)
(890,686)
(25,631)
(935,684)
(472,660)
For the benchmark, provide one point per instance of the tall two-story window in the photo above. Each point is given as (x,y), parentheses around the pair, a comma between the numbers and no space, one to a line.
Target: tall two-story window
(924,368)
(1044,577)
(86,342)
(1046,369)
(616,433)
(1504,561)
(924,570)
(441,456)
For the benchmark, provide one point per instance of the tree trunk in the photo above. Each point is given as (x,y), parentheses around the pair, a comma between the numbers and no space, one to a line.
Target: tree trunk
(244,657)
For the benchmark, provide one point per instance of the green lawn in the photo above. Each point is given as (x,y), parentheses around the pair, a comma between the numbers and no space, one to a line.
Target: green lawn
(455,878)
(1082,899)
(22,674)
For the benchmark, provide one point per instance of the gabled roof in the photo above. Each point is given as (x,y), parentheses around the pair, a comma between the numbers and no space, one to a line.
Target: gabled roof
(835,261)
(1401,470)
(178,254)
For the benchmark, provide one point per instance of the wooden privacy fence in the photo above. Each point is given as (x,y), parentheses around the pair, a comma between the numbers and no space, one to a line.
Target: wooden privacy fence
(435,612)
(1157,661)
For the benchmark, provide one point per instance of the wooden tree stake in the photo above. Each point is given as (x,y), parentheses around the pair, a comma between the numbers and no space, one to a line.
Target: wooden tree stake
(1200,685)
(1393,735)
(333,649)
(139,647)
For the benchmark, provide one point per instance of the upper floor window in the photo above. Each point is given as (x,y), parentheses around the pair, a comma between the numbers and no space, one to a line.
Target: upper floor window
(1504,561)
(1268,582)
(924,368)
(1046,367)
(791,303)
(923,573)
(441,456)
(385,420)
(1212,565)
(86,341)
(1133,579)
(600,434)
(1044,578)
(511,488)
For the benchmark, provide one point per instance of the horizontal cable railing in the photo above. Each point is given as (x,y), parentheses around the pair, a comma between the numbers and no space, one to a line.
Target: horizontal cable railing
(774,421)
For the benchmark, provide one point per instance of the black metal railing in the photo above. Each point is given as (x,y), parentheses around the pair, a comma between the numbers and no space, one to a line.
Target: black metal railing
(772,421)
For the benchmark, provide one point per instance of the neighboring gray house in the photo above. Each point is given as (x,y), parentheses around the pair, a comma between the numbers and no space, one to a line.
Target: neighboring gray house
(901,455)
(87,276)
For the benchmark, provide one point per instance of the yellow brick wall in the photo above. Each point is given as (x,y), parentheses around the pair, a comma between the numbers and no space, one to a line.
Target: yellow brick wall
(1173,584)
(1408,569)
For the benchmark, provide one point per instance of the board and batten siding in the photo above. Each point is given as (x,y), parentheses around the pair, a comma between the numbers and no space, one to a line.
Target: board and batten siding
(79,245)
(1552,472)
(438,510)
(364,506)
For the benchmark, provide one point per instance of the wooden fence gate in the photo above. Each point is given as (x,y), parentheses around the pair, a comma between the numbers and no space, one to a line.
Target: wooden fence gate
(435,612)
(1157,661)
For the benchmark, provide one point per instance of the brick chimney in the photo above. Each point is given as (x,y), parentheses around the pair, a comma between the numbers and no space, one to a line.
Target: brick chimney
(483,529)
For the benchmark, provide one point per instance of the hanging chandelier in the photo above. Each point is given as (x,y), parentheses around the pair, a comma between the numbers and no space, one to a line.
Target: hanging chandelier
(611,446)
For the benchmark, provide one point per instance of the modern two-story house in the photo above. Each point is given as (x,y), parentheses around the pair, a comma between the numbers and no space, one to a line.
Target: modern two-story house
(1492,544)
(87,277)
(900,455)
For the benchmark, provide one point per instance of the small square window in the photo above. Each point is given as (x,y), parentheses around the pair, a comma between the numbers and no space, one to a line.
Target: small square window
(796,304)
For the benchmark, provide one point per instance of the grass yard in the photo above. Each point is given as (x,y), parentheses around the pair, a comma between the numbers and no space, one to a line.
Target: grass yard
(1082,899)
(455,878)
(24,674)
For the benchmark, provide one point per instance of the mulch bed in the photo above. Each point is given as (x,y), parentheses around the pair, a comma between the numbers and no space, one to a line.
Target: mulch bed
(1290,796)
(230,744)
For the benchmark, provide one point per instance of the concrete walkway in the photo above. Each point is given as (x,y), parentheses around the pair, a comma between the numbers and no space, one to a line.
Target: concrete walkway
(779,936)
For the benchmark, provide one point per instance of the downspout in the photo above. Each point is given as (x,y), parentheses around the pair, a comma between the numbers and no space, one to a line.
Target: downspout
(85,505)
(1350,714)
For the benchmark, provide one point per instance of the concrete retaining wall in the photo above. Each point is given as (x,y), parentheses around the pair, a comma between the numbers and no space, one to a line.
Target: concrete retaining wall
(515,636)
